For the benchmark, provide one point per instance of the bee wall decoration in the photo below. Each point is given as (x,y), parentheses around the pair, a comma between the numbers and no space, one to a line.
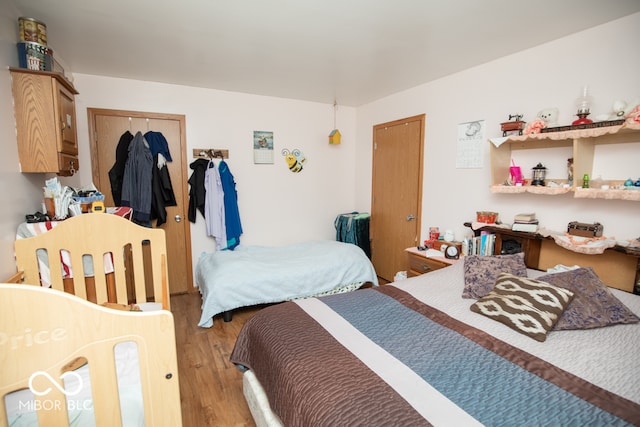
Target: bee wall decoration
(294,159)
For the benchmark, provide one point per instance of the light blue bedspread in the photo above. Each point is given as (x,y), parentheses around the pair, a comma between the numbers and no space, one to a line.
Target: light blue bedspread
(259,275)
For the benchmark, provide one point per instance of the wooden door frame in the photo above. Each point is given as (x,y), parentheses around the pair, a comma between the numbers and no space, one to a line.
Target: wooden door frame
(93,148)
(422,119)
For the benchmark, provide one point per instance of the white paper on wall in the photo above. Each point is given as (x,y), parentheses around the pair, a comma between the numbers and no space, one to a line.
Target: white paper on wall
(470,145)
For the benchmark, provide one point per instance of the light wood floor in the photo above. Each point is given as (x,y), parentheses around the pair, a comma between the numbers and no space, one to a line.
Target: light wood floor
(210,385)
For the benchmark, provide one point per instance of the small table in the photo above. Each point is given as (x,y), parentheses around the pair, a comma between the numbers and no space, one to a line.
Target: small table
(421,262)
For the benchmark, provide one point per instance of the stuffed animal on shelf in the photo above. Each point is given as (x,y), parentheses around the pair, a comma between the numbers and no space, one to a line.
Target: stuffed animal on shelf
(550,116)
(547,117)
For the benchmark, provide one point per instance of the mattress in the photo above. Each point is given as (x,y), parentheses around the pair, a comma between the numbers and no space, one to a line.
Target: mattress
(384,385)
(252,275)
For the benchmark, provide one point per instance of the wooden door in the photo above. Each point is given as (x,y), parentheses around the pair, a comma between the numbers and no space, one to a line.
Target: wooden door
(396,193)
(105,129)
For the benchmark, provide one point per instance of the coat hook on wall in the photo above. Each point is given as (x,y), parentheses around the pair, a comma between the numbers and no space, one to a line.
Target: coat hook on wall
(210,153)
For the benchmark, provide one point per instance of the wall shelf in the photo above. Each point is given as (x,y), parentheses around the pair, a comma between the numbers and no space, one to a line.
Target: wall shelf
(582,142)
(534,189)
(610,194)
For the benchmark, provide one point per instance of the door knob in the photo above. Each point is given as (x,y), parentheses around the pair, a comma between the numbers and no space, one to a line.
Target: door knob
(178,218)
(410,217)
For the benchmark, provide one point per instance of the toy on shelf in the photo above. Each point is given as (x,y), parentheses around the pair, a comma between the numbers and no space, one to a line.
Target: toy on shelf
(516,125)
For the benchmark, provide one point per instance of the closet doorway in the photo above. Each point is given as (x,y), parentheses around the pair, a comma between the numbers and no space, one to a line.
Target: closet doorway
(396,199)
(105,129)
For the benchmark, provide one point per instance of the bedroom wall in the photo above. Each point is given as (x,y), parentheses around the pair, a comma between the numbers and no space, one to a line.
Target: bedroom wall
(276,206)
(551,75)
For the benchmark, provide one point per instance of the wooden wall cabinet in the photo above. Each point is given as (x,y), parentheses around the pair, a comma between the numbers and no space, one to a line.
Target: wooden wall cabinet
(44,106)
(583,143)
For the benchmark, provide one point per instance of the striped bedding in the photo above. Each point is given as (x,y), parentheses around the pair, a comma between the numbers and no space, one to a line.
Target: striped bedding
(392,356)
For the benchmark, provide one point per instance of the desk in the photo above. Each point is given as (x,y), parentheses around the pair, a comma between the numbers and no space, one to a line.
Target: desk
(542,252)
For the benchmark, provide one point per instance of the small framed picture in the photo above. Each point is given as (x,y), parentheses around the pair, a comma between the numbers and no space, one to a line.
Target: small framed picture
(262,147)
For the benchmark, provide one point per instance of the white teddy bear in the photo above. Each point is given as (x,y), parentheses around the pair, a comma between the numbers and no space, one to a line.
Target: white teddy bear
(547,117)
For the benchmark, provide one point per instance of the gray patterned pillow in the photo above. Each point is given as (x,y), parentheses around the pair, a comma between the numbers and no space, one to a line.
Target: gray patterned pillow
(593,306)
(529,306)
(481,272)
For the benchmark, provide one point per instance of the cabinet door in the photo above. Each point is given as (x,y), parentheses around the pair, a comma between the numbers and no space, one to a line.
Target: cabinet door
(45,122)
(35,119)
(66,119)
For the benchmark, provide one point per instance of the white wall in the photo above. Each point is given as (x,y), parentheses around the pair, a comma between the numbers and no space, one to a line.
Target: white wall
(552,75)
(276,205)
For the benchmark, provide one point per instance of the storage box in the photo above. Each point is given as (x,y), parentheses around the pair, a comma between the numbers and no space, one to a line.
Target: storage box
(585,230)
(35,56)
(486,217)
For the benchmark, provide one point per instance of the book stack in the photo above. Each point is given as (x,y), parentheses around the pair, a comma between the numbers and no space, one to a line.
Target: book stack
(525,222)
(483,245)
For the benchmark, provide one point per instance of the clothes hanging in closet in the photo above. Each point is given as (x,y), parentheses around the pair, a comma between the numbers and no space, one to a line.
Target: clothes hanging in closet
(136,183)
(145,182)
(116,173)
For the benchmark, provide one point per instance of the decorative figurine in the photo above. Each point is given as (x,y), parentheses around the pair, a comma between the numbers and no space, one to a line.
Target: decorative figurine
(583,108)
(570,171)
(517,125)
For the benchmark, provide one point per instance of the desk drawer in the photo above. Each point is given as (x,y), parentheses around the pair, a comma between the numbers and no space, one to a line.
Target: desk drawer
(419,264)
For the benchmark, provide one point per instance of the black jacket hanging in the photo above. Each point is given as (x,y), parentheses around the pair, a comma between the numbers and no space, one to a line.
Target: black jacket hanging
(116,172)
(197,191)
(163,195)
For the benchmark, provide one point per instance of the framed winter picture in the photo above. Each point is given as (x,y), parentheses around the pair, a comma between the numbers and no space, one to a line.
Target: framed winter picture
(262,147)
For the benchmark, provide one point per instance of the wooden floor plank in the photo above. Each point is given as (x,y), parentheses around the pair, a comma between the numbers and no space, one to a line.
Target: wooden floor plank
(210,385)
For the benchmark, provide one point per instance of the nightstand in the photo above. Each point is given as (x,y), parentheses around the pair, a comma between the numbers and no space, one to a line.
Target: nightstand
(419,263)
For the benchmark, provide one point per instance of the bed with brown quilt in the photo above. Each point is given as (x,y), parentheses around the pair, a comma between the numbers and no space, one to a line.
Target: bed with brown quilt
(483,342)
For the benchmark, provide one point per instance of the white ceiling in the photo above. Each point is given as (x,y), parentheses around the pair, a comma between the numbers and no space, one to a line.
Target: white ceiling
(348,51)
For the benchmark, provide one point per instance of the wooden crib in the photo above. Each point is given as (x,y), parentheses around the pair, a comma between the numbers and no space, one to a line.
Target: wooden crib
(133,259)
(48,337)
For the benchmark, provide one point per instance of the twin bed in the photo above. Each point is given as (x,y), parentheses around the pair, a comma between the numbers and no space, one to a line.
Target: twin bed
(253,275)
(415,353)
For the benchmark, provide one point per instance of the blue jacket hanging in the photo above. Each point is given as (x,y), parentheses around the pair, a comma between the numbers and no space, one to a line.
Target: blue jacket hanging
(232,213)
